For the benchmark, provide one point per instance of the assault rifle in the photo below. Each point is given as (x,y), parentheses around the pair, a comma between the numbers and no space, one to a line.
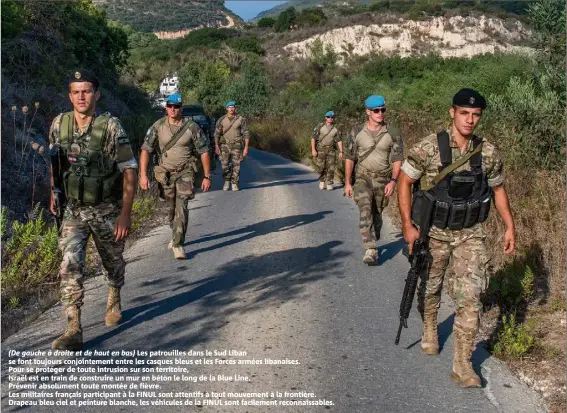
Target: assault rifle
(58,189)
(418,260)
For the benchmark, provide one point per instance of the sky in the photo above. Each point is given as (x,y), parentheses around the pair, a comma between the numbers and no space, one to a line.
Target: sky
(250,9)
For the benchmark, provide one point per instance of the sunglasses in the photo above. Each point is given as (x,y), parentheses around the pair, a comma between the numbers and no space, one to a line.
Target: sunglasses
(173,106)
(330,117)
(379,110)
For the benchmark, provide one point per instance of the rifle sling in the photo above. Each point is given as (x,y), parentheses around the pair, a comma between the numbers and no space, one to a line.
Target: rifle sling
(446,171)
(323,138)
(369,151)
(229,126)
(176,136)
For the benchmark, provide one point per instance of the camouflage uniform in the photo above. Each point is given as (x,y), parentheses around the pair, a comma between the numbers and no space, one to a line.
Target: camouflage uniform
(80,222)
(373,172)
(326,139)
(230,140)
(181,163)
(465,248)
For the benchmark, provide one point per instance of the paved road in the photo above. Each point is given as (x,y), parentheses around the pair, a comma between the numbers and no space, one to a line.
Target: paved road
(275,271)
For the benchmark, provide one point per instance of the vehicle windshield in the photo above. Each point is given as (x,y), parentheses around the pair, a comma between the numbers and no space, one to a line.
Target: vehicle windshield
(199,118)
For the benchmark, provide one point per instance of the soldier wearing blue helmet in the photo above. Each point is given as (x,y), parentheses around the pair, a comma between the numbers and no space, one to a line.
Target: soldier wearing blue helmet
(376,146)
(325,137)
(231,144)
(181,144)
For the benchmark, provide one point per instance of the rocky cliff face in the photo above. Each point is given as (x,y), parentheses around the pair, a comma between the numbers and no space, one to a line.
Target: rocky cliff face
(449,37)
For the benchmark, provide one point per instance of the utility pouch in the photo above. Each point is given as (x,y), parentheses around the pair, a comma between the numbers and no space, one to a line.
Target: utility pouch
(471,218)
(462,186)
(457,216)
(161,174)
(92,190)
(440,214)
(71,183)
(484,208)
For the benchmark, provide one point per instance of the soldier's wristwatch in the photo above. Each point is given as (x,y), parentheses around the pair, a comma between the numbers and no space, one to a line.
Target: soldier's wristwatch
(394,180)
(207,177)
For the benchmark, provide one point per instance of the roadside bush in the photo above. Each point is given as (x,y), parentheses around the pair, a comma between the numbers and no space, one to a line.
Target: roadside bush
(515,339)
(251,90)
(29,256)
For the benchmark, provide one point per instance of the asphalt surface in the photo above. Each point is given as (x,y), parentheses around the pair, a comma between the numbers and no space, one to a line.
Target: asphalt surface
(274,270)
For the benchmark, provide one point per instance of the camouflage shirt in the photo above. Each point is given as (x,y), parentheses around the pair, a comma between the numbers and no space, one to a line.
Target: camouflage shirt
(193,140)
(117,149)
(325,135)
(389,149)
(231,134)
(423,161)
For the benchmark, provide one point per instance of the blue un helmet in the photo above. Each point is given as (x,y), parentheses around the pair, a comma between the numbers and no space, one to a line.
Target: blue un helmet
(374,101)
(175,99)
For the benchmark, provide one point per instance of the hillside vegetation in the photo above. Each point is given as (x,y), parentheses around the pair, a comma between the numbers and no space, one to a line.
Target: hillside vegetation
(167,15)
(414,8)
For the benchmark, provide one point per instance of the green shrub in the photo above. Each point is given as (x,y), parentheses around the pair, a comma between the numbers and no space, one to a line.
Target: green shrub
(515,340)
(29,257)
(142,209)
(251,90)
(512,285)
(266,22)
(250,44)
(285,19)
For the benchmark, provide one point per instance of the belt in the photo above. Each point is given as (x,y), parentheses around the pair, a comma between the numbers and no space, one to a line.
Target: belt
(180,168)
(382,174)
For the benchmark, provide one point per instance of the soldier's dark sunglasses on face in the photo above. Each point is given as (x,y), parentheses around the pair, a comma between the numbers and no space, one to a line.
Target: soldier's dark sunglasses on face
(173,106)
(330,117)
(379,110)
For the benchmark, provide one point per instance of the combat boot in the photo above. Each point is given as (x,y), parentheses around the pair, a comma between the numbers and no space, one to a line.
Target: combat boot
(321,185)
(113,308)
(430,340)
(329,187)
(370,256)
(235,187)
(72,338)
(463,372)
(179,253)
(226,185)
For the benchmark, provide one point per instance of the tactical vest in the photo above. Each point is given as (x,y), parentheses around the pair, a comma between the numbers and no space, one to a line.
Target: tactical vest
(461,199)
(87,176)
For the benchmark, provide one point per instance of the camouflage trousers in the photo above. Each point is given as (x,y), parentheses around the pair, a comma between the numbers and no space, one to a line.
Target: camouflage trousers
(79,223)
(177,194)
(326,161)
(466,282)
(370,199)
(231,158)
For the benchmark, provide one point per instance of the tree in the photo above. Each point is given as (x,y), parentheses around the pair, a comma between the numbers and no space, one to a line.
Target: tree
(548,19)
(285,19)
(311,17)
(252,90)
(266,22)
